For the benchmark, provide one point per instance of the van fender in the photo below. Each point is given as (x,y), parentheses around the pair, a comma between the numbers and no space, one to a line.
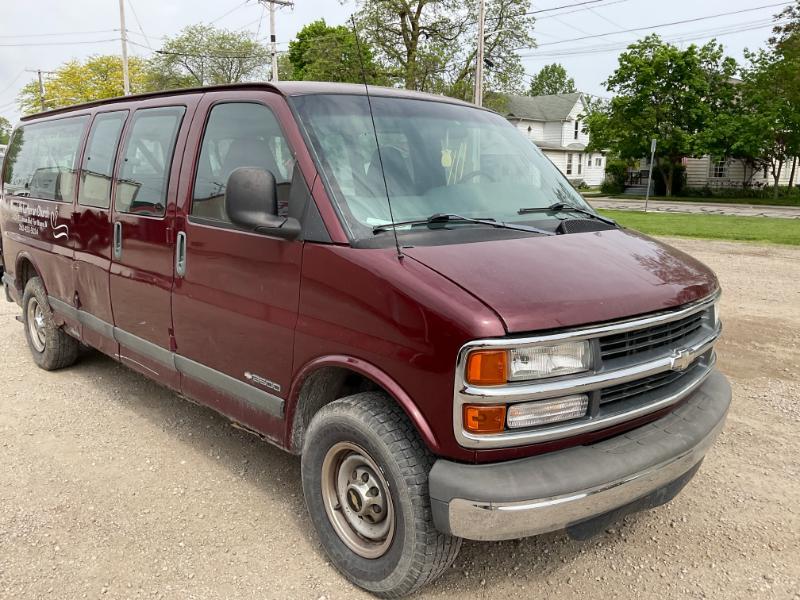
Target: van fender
(23,255)
(374,374)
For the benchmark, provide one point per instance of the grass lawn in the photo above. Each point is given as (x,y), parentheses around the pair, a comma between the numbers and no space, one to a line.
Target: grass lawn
(792,201)
(718,227)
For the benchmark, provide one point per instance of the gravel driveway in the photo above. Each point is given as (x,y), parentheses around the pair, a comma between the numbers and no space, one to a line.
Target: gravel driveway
(112,487)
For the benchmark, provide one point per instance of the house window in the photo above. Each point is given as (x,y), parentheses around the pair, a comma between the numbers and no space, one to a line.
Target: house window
(569,163)
(580,163)
(589,161)
(719,168)
(577,128)
(598,162)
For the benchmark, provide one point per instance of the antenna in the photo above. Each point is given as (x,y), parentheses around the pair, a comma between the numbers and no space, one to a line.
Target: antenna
(375,131)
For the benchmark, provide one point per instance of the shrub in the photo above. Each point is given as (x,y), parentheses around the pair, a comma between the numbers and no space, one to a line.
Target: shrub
(616,171)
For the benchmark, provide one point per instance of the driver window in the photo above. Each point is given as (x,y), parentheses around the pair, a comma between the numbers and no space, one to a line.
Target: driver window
(239,134)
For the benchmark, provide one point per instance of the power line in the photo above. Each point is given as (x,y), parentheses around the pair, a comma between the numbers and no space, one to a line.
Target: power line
(139,24)
(13,81)
(58,43)
(673,23)
(234,9)
(685,37)
(58,33)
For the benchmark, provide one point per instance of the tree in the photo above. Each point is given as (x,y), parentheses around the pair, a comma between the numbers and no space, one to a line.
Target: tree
(770,120)
(5,130)
(74,82)
(323,53)
(552,79)
(430,45)
(204,55)
(662,92)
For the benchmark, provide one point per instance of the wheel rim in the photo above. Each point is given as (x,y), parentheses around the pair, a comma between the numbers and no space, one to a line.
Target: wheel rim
(357,500)
(36,325)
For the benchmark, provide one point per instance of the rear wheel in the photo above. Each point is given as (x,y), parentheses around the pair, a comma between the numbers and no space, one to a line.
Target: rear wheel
(365,480)
(50,346)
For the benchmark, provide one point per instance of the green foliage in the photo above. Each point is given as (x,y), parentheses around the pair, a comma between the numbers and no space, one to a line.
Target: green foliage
(747,194)
(663,92)
(204,55)
(430,45)
(552,79)
(616,172)
(5,130)
(324,53)
(95,78)
(721,227)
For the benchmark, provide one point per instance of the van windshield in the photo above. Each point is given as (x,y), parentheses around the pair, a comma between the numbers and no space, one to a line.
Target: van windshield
(438,158)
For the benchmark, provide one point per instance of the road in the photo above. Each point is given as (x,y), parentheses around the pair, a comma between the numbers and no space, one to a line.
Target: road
(710,208)
(112,487)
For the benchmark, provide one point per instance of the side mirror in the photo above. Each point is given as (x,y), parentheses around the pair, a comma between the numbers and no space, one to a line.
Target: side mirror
(251,201)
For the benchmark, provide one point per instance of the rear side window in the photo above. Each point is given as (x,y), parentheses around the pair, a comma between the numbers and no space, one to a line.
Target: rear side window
(41,159)
(144,174)
(98,161)
(239,135)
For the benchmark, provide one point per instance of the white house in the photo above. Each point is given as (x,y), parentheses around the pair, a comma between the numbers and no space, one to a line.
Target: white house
(708,172)
(554,124)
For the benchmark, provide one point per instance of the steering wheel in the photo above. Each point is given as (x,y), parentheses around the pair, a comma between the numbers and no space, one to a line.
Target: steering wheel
(477,172)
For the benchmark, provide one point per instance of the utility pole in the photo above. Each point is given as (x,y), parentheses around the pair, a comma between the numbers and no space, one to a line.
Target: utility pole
(650,173)
(41,88)
(273,41)
(39,74)
(479,58)
(126,83)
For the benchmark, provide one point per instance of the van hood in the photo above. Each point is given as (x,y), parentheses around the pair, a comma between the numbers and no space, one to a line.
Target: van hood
(540,283)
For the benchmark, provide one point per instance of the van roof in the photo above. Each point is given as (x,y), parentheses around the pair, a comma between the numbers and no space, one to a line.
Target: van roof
(285,88)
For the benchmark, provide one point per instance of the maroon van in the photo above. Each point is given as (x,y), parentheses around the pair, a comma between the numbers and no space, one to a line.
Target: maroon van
(423,309)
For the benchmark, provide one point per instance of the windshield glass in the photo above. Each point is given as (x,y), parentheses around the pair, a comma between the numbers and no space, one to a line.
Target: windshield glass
(437,157)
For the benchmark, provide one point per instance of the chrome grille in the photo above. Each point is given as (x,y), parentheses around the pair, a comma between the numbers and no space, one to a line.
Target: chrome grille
(630,343)
(641,387)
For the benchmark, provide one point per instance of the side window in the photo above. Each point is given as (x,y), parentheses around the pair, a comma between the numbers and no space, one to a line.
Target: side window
(41,159)
(144,174)
(237,135)
(98,163)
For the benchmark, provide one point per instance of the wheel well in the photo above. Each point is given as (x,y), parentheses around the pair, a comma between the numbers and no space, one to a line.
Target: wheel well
(320,388)
(25,272)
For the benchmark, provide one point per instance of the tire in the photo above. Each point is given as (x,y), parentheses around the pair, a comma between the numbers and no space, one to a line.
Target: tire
(370,425)
(50,346)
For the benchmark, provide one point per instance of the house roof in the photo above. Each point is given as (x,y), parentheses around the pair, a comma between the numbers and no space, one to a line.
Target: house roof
(555,107)
(544,145)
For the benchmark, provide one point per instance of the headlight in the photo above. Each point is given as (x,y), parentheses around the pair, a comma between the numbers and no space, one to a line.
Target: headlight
(551,360)
(496,367)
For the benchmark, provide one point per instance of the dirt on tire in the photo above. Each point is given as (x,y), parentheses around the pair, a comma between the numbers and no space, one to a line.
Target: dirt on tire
(113,487)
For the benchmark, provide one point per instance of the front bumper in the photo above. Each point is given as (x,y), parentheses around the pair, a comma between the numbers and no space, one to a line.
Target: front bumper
(563,489)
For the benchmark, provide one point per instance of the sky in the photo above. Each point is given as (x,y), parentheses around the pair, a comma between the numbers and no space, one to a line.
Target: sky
(62,30)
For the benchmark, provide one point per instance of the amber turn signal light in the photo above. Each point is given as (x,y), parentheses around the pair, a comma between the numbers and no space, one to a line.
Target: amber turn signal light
(480,418)
(487,367)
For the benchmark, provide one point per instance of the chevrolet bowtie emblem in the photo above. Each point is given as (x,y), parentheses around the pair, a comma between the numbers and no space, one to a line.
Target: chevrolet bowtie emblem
(681,359)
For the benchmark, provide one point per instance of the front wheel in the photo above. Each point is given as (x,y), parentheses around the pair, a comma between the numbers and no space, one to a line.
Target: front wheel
(365,480)
(50,346)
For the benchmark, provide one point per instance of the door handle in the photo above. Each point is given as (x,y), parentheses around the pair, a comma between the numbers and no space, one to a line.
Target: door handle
(118,240)
(180,254)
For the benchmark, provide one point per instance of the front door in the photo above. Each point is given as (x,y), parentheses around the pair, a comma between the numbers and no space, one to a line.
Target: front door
(236,299)
(143,242)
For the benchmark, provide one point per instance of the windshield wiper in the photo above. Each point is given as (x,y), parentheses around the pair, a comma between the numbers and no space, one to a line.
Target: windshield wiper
(446,217)
(564,207)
